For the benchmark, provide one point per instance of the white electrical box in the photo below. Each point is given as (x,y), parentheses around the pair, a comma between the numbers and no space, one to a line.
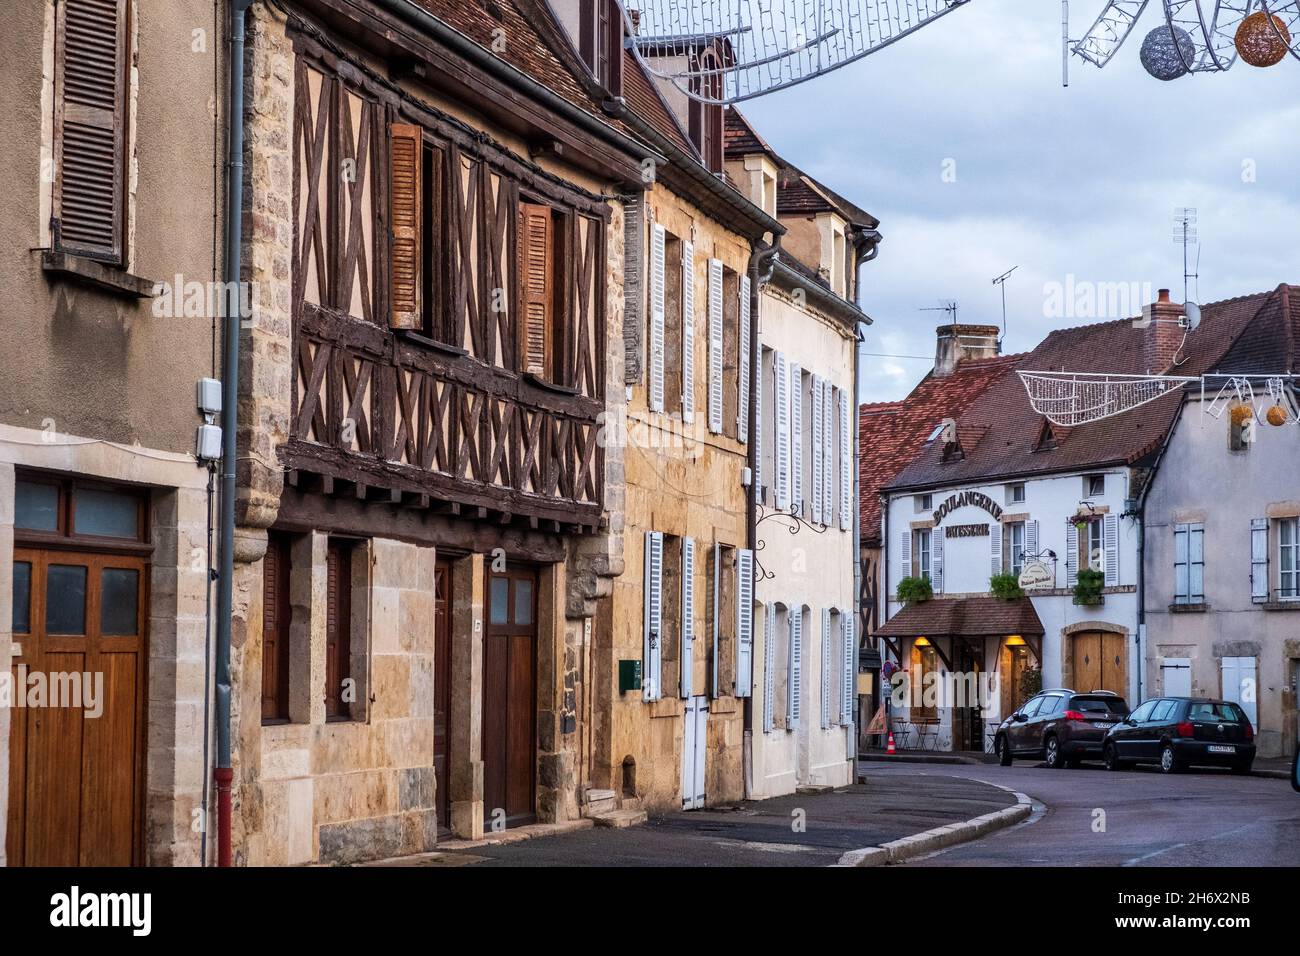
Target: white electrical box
(207,444)
(208,396)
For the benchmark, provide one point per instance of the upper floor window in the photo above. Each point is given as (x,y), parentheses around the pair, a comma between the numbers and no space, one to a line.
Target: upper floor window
(922,503)
(1288,553)
(1016,547)
(600,42)
(922,553)
(1189,564)
(1094,486)
(1016,493)
(91,124)
(704,120)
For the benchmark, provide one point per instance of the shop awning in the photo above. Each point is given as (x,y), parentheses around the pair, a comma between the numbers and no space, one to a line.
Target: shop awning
(964,617)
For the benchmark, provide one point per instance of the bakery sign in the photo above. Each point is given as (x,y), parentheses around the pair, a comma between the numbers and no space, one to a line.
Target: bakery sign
(1037,576)
(964,499)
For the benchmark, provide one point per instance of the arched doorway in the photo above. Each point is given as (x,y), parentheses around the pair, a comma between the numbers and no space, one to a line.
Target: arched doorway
(1098,661)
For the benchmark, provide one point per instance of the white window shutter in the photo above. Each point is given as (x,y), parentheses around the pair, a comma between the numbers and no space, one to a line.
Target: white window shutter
(936,558)
(657,318)
(782,413)
(905,553)
(715,345)
(1071,555)
(688,332)
(818,383)
(654,603)
(1196,563)
(827,654)
(828,453)
(715,625)
(744,623)
(995,549)
(1182,577)
(688,618)
(1031,540)
(742,405)
(1110,542)
(796,437)
(846,463)
(769,667)
(758,424)
(1259,589)
(794,685)
(848,700)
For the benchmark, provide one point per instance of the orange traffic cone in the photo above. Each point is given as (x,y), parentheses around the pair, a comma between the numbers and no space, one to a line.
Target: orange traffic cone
(891,749)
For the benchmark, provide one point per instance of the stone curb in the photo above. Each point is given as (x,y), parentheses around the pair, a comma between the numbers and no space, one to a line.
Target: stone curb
(919,844)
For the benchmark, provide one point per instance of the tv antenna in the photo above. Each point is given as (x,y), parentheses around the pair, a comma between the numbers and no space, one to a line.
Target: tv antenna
(947,306)
(1002,281)
(1185,233)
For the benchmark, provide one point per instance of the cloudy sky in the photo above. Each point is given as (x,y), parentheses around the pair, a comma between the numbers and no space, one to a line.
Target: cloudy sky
(1078,182)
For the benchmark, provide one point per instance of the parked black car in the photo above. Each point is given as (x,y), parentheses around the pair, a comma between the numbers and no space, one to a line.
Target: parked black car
(1059,726)
(1179,732)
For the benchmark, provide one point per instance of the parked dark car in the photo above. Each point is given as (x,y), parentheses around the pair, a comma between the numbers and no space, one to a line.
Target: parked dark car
(1059,726)
(1180,732)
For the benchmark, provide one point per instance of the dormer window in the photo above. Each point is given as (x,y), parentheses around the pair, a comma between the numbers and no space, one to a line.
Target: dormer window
(600,43)
(705,119)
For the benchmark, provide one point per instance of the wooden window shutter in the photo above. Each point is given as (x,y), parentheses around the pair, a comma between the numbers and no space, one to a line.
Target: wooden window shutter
(817,384)
(744,622)
(658,239)
(688,618)
(849,695)
(757,451)
(338,626)
(275,629)
(905,553)
(1031,539)
(846,463)
(769,668)
(688,332)
(782,415)
(794,686)
(1110,543)
(828,453)
(742,406)
(633,250)
(995,549)
(827,661)
(937,538)
(654,570)
(536,268)
(715,345)
(406,212)
(1071,555)
(90,127)
(796,437)
(1259,583)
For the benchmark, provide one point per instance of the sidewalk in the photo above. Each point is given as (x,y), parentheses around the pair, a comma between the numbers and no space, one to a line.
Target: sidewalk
(756,833)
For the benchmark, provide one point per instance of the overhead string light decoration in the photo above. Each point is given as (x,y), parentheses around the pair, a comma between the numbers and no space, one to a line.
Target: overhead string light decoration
(1166,51)
(1263,39)
(726,51)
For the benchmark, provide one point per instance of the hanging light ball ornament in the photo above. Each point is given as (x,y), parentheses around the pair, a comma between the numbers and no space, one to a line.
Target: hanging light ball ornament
(1277,415)
(1162,58)
(1262,39)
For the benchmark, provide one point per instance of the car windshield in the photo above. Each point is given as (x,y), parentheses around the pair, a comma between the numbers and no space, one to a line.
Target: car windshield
(1226,713)
(1101,705)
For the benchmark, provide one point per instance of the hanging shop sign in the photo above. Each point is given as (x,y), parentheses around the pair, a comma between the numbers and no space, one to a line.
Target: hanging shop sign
(1037,576)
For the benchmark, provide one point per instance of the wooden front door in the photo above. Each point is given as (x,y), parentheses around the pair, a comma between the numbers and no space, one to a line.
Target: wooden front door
(510,697)
(1099,661)
(75,794)
(442,691)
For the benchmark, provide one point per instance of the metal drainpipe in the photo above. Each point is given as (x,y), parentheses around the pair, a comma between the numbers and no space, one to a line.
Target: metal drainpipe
(852,741)
(222,772)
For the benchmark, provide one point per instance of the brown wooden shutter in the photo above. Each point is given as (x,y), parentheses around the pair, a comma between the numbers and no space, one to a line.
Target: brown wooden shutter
(90,126)
(406,144)
(536,270)
(275,629)
(338,631)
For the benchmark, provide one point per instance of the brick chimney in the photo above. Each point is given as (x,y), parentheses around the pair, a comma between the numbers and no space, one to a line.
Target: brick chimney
(1162,324)
(958,342)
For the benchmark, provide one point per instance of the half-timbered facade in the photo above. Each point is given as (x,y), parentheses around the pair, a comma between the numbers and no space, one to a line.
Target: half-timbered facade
(426,512)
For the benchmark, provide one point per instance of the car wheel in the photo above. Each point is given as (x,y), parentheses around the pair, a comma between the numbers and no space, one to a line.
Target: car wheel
(1111,759)
(1052,754)
(1168,762)
(1002,750)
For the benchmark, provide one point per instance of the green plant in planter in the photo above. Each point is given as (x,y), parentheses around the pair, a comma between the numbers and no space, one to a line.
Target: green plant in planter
(915,590)
(1087,587)
(1031,682)
(1006,586)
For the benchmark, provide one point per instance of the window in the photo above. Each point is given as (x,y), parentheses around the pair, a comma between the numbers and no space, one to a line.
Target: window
(46,507)
(1016,493)
(671,345)
(730,357)
(1094,486)
(91,57)
(1143,712)
(704,120)
(1189,564)
(924,696)
(276,614)
(1092,552)
(1034,706)
(722,600)
(1015,547)
(340,688)
(600,41)
(1164,709)
(921,545)
(1288,555)
(922,503)
(1052,704)
(540,326)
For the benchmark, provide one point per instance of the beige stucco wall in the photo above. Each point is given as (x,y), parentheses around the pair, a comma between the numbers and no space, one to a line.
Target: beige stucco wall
(809,570)
(688,486)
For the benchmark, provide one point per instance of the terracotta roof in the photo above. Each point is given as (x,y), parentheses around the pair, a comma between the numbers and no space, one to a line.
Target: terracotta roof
(964,617)
(739,138)
(643,99)
(1009,445)
(1271,342)
(891,434)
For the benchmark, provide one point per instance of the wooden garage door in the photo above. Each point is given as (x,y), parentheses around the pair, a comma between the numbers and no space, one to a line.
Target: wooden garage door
(75,791)
(1100,662)
(510,697)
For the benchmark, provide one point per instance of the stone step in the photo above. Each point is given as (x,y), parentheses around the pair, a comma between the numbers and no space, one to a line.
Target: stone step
(619,818)
(599,801)
(630,803)
(813,789)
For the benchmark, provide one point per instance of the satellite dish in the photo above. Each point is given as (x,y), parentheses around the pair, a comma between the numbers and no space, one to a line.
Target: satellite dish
(1193,314)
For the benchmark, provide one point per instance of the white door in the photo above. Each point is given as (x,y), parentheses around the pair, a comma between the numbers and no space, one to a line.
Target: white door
(1176,677)
(1239,685)
(695,740)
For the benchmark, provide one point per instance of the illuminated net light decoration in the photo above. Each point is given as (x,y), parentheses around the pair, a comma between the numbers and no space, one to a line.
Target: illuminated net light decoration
(1167,51)
(725,51)
(1263,39)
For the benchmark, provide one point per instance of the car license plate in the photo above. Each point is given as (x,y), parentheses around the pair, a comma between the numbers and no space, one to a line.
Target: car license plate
(1101,725)
(1221,749)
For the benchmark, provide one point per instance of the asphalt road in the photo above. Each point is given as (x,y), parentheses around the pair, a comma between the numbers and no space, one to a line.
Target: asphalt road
(1196,818)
